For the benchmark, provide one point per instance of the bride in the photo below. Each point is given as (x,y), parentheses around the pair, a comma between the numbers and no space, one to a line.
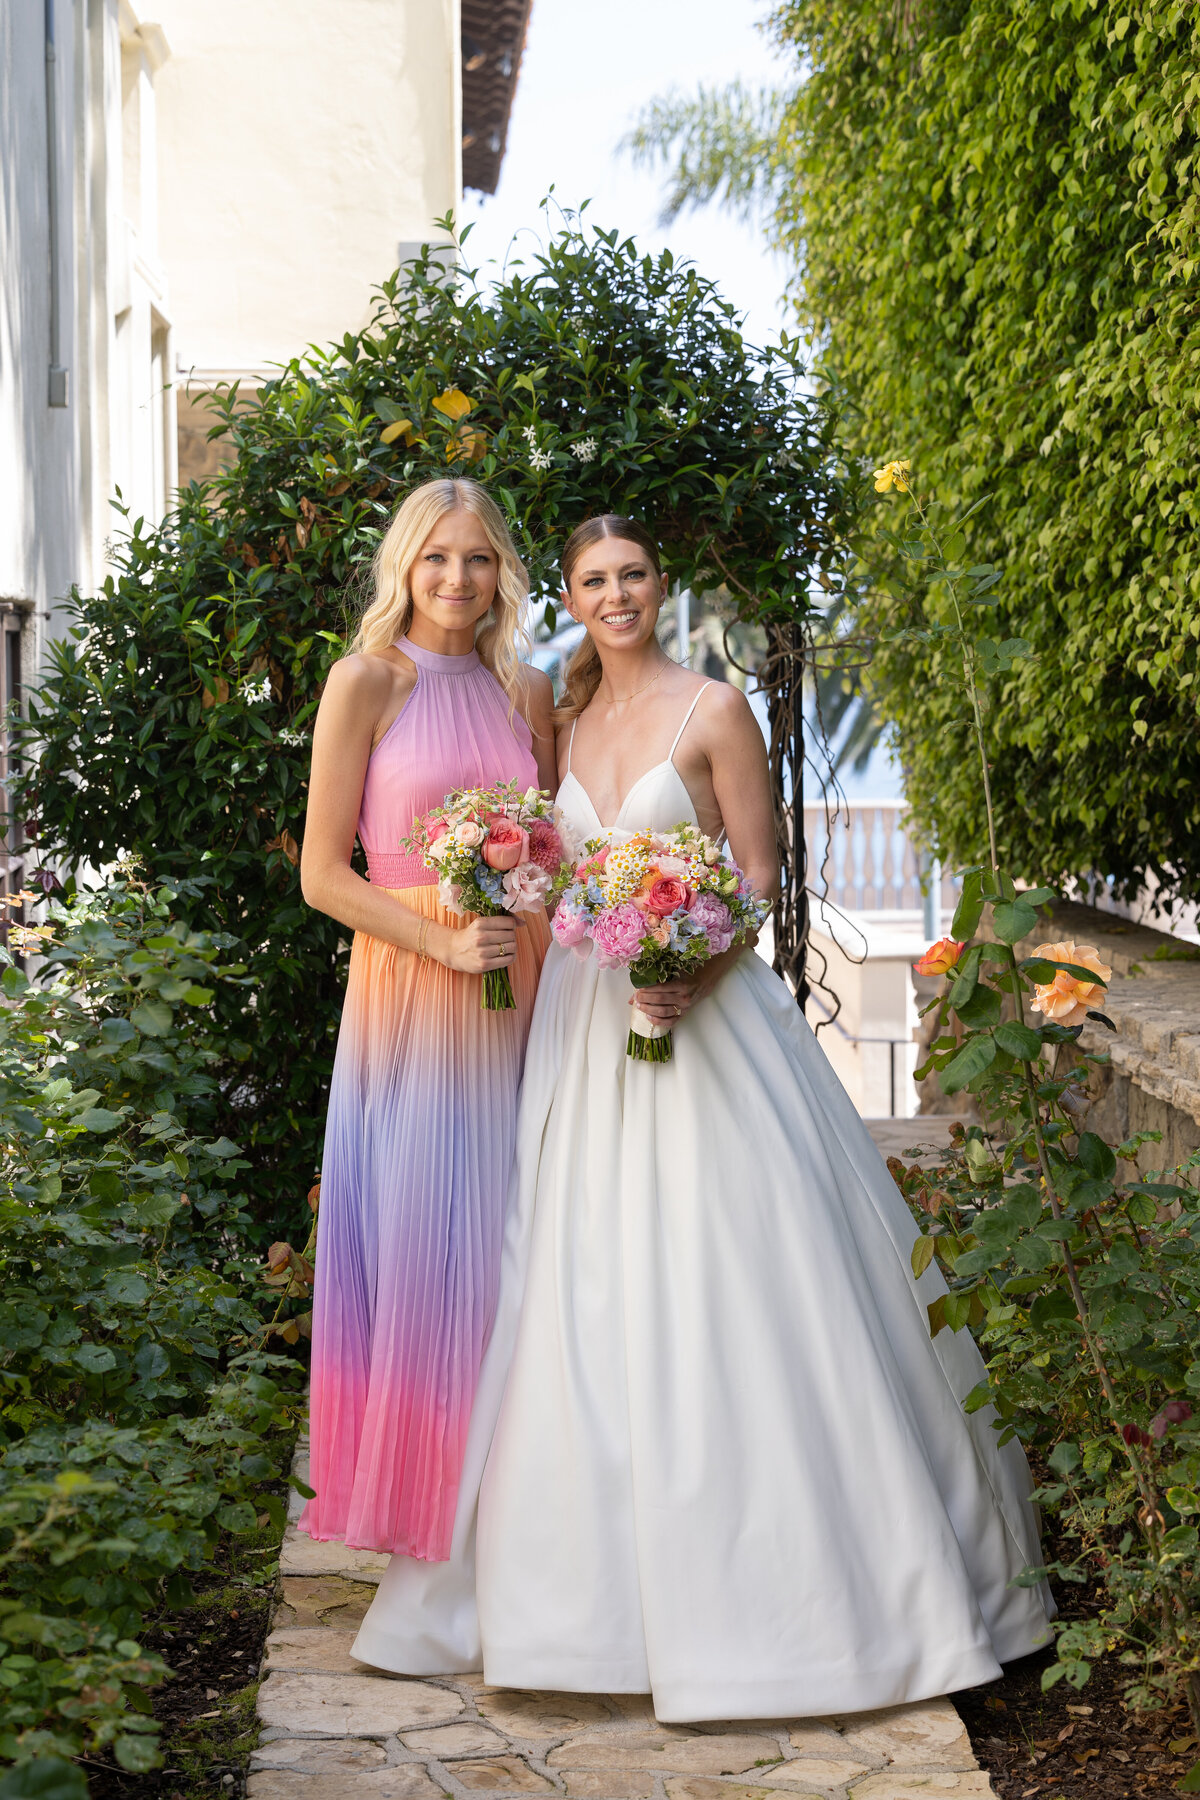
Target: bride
(730,1466)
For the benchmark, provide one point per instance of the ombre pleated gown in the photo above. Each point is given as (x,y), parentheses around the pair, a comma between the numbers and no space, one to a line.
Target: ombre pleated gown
(418,1150)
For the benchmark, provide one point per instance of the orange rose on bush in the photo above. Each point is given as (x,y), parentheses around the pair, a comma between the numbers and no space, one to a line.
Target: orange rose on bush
(1066,999)
(940,958)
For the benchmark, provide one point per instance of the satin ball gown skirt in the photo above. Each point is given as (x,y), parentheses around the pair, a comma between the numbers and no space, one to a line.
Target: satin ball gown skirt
(731,1466)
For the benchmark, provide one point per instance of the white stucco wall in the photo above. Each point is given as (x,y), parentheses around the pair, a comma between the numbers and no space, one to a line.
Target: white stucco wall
(300,144)
(41,545)
(60,466)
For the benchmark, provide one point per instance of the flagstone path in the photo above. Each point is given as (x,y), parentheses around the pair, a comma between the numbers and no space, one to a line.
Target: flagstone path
(334,1729)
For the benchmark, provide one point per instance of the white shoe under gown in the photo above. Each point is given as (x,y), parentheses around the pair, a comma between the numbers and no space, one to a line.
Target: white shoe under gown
(730,1467)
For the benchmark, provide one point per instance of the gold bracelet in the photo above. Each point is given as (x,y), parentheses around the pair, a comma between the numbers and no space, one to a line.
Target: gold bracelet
(422,934)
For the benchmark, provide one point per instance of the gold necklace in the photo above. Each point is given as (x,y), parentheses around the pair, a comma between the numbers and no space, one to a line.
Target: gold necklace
(625,698)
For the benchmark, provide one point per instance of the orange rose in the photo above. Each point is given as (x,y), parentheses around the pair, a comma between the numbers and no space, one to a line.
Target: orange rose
(1066,999)
(940,958)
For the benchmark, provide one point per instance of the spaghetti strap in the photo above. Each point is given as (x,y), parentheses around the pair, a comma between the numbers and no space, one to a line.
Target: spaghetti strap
(571,741)
(687,715)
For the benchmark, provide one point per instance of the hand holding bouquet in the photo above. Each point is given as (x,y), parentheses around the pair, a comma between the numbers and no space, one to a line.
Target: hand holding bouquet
(496,850)
(659,904)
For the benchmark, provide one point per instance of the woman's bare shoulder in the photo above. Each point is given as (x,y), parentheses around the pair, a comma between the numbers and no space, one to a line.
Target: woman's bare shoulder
(362,677)
(725,702)
(535,688)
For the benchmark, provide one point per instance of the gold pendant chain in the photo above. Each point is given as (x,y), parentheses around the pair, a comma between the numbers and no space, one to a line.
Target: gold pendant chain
(626,698)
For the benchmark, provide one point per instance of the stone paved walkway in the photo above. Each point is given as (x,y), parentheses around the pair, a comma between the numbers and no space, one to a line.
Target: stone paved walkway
(336,1730)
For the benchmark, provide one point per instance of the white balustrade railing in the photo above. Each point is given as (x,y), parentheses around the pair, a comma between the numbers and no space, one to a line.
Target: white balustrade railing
(862,860)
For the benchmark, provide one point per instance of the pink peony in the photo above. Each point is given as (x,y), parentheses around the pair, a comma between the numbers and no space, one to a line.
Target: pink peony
(506,844)
(569,926)
(617,935)
(525,887)
(716,919)
(545,846)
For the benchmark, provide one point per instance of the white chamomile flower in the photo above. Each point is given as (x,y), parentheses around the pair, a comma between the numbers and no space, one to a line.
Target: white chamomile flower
(585,450)
(540,459)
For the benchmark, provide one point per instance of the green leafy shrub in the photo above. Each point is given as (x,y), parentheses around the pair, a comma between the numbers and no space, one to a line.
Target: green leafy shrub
(994,217)
(139,1416)
(173,721)
(1081,1277)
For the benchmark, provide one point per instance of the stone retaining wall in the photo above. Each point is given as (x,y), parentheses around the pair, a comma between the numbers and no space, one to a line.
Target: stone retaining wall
(1152,1082)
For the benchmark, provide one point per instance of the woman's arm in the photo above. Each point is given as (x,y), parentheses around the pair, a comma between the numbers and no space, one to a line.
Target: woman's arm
(537,708)
(357,694)
(733,742)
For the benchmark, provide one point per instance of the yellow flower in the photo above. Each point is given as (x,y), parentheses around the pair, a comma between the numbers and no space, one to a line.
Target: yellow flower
(624,869)
(892,475)
(453,403)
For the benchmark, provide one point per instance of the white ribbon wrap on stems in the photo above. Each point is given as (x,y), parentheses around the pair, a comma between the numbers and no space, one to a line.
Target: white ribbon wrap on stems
(646,1027)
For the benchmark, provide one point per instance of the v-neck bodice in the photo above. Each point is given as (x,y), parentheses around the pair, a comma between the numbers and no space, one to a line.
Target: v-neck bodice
(664,803)
(659,800)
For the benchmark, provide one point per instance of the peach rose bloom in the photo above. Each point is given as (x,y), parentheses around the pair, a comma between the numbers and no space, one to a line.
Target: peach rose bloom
(1066,1000)
(505,846)
(940,957)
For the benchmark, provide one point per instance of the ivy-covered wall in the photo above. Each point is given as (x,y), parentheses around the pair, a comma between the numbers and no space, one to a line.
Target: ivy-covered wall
(995,211)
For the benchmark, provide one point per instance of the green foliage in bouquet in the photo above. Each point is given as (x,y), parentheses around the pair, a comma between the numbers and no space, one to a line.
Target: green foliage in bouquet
(139,1416)
(1080,1276)
(993,212)
(173,722)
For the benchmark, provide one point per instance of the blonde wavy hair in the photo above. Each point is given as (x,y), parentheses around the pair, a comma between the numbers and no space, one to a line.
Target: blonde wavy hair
(502,634)
(583,672)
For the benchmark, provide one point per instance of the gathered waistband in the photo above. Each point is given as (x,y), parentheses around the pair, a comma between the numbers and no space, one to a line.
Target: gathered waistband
(399,870)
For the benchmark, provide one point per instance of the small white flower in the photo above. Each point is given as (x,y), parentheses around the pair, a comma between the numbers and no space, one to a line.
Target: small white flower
(256,693)
(585,450)
(540,459)
(293,739)
(529,433)
(664,412)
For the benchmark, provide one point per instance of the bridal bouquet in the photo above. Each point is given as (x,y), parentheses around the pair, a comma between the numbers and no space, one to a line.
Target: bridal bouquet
(658,904)
(496,850)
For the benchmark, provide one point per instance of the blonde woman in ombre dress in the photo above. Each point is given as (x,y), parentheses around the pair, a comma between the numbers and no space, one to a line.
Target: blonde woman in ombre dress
(419,1142)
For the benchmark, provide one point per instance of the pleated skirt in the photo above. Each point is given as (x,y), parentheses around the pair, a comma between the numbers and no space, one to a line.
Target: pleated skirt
(418,1152)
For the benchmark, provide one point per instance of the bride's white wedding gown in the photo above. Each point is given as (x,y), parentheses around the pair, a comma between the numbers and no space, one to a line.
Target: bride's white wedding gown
(730,1467)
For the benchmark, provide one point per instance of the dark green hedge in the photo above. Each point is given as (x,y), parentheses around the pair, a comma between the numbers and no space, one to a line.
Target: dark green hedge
(173,723)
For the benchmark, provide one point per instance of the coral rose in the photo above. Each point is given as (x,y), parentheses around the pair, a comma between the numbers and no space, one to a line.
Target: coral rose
(1067,999)
(666,895)
(506,845)
(940,957)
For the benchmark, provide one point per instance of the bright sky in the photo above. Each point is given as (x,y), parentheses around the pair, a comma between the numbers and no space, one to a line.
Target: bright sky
(585,74)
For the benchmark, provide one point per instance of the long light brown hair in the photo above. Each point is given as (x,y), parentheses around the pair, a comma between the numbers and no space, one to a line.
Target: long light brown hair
(583,671)
(503,632)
